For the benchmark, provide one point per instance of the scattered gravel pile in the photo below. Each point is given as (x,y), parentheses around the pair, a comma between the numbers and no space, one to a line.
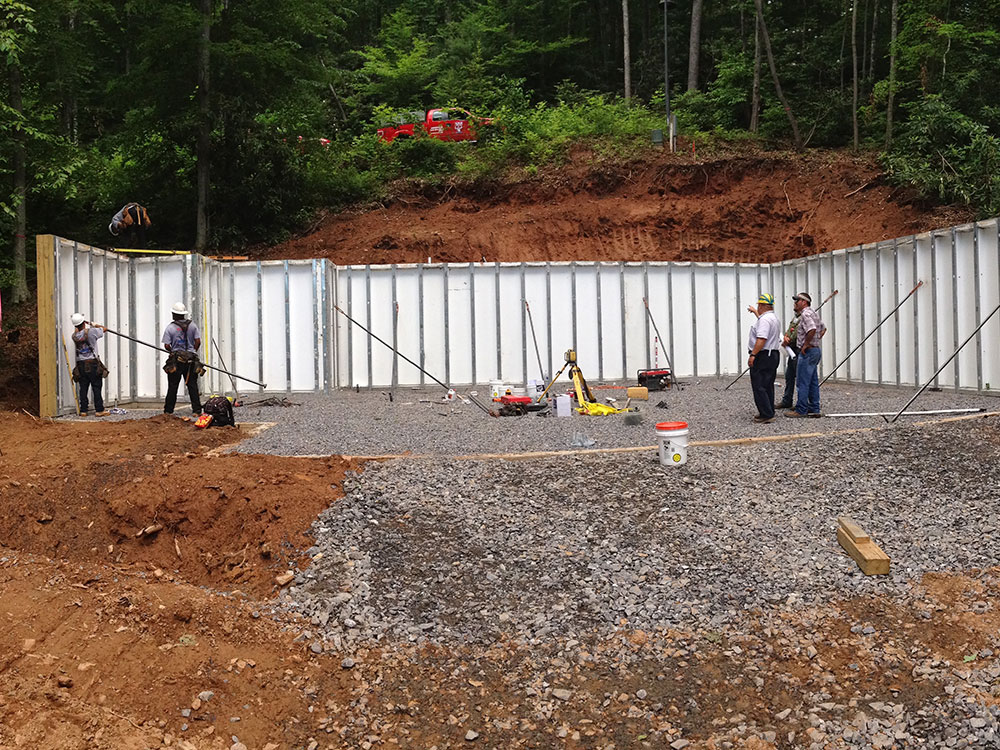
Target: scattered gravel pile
(450,551)
(419,422)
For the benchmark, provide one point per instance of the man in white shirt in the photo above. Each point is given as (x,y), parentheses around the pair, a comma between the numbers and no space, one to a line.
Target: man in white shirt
(763,343)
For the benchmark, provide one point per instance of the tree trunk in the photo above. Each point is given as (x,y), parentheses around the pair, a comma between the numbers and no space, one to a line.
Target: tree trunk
(854,63)
(694,45)
(204,127)
(774,74)
(840,60)
(892,74)
(20,188)
(627,53)
(871,47)
(755,92)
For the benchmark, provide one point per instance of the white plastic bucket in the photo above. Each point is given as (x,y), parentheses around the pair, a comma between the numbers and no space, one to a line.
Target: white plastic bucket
(673,438)
(497,388)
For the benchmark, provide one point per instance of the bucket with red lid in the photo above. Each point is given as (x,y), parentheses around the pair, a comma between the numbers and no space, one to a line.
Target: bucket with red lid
(673,439)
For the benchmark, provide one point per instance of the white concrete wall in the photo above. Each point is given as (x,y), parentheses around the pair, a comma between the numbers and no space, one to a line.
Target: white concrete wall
(276,321)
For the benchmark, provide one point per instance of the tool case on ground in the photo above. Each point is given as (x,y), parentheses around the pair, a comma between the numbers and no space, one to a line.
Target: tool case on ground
(654,380)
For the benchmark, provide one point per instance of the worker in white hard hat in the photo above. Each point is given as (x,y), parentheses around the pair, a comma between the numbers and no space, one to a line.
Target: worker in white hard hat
(89,372)
(182,339)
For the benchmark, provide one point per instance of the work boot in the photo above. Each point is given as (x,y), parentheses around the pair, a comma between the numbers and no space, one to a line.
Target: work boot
(793,413)
(101,413)
(815,414)
(763,420)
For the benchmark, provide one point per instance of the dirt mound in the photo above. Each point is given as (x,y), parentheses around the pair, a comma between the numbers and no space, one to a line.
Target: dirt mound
(151,493)
(19,358)
(747,208)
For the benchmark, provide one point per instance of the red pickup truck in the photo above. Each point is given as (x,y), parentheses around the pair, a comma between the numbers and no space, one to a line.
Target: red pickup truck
(446,124)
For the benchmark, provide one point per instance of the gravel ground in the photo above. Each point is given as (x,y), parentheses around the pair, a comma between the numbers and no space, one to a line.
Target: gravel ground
(736,543)
(462,550)
(368,423)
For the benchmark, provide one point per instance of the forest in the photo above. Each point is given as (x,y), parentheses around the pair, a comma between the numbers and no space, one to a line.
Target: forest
(235,121)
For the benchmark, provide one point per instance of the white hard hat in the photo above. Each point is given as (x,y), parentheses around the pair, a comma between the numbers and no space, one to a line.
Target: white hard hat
(179,309)
(77,318)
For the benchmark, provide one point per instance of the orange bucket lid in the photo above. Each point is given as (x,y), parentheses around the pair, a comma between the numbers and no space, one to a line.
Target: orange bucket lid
(671,425)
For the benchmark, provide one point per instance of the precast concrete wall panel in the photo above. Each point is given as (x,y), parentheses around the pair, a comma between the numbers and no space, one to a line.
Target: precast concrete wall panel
(303,326)
(246,312)
(433,332)
(276,321)
(926,308)
(611,335)
(562,314)
(379,316)
(682,317)
(658,291)
(835,316)
(989,295)
(728,301)
(536,294)
(943,254)
(871,302)
(967,364)
(460,358)
(483,294)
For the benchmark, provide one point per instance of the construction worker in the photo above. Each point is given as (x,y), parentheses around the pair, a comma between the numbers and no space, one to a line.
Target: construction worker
(89,372)
(762,344)
(133,221)
(810,330)
(790,340)
(182,339)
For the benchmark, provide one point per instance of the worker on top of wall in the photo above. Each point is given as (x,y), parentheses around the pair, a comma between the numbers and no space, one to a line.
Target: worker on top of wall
(182,339)
(89,372)
(132,220)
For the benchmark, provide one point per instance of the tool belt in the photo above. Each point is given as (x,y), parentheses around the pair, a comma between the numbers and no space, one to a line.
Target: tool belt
(86,364)
(183,358)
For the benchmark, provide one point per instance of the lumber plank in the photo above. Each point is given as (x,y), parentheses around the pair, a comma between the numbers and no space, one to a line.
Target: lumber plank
(869,557)
(48,358)
(638,392)
(854,531)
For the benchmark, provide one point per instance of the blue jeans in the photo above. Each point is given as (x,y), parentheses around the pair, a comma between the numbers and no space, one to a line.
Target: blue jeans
(807,381)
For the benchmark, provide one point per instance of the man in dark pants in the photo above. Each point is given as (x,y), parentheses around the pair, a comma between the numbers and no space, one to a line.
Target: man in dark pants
(762,343)
(89,371)
(790,340)
(182,339)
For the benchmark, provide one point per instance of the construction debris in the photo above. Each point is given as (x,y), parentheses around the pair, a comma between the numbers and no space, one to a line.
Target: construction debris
(271,401)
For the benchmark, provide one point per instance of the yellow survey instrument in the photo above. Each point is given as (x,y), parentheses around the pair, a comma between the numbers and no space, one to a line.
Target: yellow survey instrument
(584,396)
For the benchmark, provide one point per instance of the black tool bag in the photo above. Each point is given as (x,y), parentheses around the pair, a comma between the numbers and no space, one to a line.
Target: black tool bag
(221,411)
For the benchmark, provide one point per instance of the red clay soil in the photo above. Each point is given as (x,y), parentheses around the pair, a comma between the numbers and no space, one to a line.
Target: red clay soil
(87,491)
(108,638)
(761,207)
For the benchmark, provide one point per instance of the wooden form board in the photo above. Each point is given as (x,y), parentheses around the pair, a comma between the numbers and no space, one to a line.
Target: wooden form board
(48,358)
(869,557)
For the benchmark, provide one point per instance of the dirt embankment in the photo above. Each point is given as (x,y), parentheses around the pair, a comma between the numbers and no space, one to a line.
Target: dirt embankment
(747,208)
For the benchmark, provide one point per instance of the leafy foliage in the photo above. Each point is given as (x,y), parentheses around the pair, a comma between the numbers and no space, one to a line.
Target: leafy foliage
(114,115)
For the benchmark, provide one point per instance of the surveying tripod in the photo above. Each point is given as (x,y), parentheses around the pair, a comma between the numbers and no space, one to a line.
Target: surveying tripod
(576,375)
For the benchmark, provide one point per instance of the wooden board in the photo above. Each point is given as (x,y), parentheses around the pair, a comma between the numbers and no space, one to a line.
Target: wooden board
(857,534)
(869,557)
(48,357)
